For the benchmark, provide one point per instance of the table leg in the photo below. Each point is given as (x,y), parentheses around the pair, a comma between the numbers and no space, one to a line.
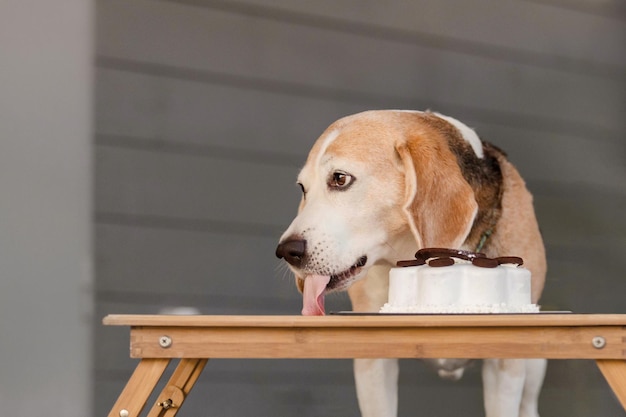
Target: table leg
(139,387)
(615,373)
(180,384)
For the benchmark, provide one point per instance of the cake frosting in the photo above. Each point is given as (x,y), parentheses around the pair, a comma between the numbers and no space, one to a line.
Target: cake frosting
(444,281)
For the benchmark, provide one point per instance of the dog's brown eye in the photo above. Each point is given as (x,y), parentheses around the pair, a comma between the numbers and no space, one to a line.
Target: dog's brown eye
(340,180)
(303,190)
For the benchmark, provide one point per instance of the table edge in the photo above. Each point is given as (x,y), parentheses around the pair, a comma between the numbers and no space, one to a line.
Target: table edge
(495,320)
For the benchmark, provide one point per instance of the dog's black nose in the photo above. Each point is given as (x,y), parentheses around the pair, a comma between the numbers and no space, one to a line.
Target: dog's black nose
(293,251)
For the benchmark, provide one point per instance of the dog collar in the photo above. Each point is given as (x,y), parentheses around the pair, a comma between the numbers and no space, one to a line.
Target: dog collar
(483,239)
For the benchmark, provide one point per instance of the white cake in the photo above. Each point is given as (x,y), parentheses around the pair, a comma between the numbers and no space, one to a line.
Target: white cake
(460,288)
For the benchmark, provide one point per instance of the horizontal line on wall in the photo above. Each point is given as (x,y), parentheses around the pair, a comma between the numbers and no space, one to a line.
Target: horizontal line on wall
(368,100)
(586,252)
(200,150)
(312,376)
(609,9)
(586,194)
(272,232)
(189,224)
(305,377)
(240,81)
(595,192)
(429,40)
(206,303)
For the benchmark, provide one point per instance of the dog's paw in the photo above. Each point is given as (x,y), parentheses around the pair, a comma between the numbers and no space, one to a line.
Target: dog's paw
(451,375)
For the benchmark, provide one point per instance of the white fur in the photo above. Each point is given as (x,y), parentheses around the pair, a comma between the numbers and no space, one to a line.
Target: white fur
(378,399)
(468,134)
(328,140)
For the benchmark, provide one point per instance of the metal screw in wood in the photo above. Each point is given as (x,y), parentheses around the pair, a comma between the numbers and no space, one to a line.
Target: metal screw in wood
(167,404)
(165,341)
(598,342)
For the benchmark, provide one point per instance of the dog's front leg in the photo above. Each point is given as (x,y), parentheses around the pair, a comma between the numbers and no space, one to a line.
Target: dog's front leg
(376,379)
(503,385)
(535,372)
(377,386)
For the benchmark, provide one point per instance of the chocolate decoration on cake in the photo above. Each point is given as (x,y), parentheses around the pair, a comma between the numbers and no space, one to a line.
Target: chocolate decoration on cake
(510,260)
(412,262)
(441,257)
(439,262)
(428,253)
(485,262)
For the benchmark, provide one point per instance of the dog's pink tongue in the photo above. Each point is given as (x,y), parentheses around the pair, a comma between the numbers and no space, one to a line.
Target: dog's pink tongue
(313,295)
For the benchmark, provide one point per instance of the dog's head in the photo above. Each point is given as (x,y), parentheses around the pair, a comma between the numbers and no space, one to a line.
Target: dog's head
(376,187)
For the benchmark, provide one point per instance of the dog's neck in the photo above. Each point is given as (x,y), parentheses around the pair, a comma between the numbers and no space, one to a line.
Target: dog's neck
(488,189)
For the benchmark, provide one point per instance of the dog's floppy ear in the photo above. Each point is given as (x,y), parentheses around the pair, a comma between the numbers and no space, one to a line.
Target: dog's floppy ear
(439,203)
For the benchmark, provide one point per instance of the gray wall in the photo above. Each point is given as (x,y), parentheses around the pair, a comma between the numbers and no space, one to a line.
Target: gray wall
(206,109)
(46,80)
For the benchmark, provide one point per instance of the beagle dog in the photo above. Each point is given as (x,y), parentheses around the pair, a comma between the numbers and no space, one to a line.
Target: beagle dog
(379,185)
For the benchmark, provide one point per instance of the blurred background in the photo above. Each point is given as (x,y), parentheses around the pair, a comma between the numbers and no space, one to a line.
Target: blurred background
(149,151)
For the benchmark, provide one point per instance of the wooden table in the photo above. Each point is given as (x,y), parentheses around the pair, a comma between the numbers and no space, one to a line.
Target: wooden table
(156,340)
